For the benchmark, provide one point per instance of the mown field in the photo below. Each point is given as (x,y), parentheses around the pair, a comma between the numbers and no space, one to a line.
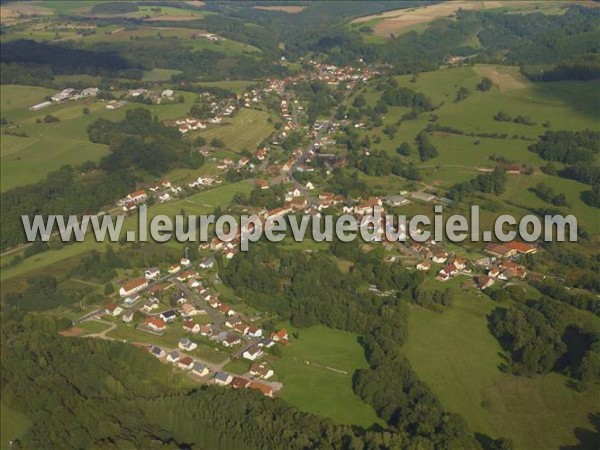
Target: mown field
(455,354)
(247,129)
(12,425)
(311,386)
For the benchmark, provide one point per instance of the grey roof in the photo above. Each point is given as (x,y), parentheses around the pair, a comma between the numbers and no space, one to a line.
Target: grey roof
(222,376)
(198,367)
(156,350)
(174,354)
(169,313)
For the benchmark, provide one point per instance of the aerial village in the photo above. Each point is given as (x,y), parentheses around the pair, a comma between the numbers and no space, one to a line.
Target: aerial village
(181,299)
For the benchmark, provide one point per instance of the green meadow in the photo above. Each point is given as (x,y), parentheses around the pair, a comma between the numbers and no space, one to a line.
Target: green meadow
(49,146)
(455,354)
(316,370)
(246,130)
(12,425)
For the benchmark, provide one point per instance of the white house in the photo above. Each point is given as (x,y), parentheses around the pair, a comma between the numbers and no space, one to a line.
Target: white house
(200,369)
(186,344)
(113,310)
(253,353)
(133,287)
(222,378)
(173,356)
(152,273)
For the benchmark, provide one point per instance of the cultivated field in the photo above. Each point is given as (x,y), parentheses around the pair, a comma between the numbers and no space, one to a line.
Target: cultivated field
(455,354)
(316,371)
(398,21)
(290,9)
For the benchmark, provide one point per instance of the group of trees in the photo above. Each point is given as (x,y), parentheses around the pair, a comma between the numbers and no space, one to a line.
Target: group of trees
(540,337)
(140,141)
(547,194)
(568,147)
(578,151)
(488,183)
(501,116)
(310,289)
(426,148)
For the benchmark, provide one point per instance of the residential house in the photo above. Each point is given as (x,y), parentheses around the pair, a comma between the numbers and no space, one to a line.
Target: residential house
(186,363)
(152,273)
(127,317)
(396,200)
(173,356)
(231,341)
(173,269)
(266,343)
(254,332)
(494,272)
(206,330)
(239,383)
(133,287)
(191,327)
(168,316)
(280,336)
(150,305)
(423,265)
(459,263)
(207,263)
(113,310)
(200,369)
(241,328)
(367,206)
(137,196)
(186,344)
(440,257)
(447,272)
(521,247)
(155,324)
(253,353)
(500,251)
(222,378)
(261,371)
(189,310)
(484,282)
(158,352)
(266,390)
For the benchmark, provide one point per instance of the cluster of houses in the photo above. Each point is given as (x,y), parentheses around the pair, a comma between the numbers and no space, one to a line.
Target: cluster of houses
(220,378)
(499,266)
(154,97)
(163,191)
(67,94)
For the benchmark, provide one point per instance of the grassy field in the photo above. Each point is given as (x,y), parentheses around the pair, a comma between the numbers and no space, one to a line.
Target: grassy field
(311,386)
(247,129)
(159,74)
(12,425)
(49,146)
(565,105)
(455,354)
(57,261)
